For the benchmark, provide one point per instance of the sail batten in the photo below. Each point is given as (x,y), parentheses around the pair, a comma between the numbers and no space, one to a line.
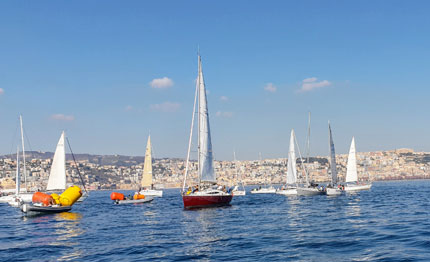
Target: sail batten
(147,167)
(291,169)
(332,159)
(57,176)
(206,169)
(351,169)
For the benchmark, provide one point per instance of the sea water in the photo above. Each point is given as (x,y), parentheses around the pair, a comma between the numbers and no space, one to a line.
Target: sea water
(391,222)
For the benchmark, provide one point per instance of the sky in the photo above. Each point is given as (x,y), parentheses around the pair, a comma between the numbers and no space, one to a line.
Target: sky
(110,73)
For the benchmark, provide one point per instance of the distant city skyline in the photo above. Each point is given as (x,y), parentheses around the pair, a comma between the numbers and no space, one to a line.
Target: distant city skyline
(109,73)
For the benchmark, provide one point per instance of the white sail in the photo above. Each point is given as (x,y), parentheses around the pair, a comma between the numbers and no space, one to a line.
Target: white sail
(332,159)
(351,168)
(147,168)
(57,177)
(207,173)
(291,169)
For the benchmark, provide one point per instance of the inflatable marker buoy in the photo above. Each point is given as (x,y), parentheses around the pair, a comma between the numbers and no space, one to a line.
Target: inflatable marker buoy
(138,196)
(56,198)
(117,196)
(44,199)
(70,196)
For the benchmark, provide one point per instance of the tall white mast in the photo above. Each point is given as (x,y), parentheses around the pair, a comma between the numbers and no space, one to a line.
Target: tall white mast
(23,151)
(18,175)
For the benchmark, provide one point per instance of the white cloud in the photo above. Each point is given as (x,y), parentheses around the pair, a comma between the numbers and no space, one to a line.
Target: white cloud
(62,117)
(161,83)
(270,88)
(168,107)
(128,108)
(311,83)
(223,98)
(1,91)
(224,114)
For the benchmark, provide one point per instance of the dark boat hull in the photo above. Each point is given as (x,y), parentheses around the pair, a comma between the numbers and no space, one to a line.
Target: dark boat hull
(26,208)
(206,201)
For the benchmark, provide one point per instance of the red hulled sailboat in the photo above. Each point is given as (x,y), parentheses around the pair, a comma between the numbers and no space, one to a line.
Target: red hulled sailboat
(207,193)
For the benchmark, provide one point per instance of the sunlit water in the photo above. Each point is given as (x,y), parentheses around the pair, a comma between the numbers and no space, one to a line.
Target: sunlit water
(391,222)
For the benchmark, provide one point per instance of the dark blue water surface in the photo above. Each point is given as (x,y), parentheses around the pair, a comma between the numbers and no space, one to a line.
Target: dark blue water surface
(391,222)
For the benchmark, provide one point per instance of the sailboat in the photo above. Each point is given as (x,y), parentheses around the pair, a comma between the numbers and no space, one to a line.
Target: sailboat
(146,183)
(236,190)
(290,187)
(351,178)
(309,188)
(57,180)
(268,188)
(19,197)
(332,189)
(16,200)
(206,193)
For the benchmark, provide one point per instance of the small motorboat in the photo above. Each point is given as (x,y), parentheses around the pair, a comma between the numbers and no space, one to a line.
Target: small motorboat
(40,209)
(134,201)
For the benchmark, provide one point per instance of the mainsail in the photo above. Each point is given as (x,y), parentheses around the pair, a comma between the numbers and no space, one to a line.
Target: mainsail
(207,173)
(57,177)
(351,168)
(147,168)
(291,169)
(332,159)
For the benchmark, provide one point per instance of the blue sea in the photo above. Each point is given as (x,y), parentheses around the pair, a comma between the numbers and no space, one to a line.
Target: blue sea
(391,222)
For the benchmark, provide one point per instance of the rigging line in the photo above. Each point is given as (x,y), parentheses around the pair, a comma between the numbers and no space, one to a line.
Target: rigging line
(13,140)
(28,140)
(76,164)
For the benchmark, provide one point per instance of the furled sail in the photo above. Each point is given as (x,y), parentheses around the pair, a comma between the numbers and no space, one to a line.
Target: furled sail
(207,173)
(147,168)
(332,159)
(351,168)
(57,177)
(291,169)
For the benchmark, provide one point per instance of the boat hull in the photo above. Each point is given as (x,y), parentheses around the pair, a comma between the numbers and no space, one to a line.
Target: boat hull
(137,201)
(333,191)
(287,192)
(151,192)
(28,209)
(357,187)
(193,201)
(239,193)
(263,190)
(308,191)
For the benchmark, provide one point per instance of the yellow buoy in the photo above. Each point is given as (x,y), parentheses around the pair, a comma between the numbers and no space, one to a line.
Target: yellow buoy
(70,196)
(56,198)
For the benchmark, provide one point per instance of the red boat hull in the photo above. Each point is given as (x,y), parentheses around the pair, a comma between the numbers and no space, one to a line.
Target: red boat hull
(206,201)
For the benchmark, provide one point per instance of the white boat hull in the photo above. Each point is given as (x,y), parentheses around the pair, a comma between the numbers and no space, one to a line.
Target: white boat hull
(26,198)
(357,187)
(333,191)
(151,192)
(287,192)
(137,201)
(308,191)
(239,193)
(269,190)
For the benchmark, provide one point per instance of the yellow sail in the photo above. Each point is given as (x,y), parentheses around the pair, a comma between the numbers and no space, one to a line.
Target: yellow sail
(147,168)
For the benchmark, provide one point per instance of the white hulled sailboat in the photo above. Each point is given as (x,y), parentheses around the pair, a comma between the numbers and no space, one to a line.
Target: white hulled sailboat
(332,189)
(206,193)
(147,183)
(236,190)
(351,178)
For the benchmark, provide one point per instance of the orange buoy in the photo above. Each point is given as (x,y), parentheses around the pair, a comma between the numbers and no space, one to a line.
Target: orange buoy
(43,198)
(117,196)
(138,196)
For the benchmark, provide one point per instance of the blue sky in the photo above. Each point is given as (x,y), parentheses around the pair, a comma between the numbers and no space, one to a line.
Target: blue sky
(87,67)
